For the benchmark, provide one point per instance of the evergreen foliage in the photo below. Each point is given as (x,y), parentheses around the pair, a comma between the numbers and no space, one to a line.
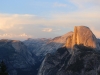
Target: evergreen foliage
(3,69)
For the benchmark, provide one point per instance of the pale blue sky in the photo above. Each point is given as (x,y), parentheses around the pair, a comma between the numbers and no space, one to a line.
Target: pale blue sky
(37,7)
(21,19)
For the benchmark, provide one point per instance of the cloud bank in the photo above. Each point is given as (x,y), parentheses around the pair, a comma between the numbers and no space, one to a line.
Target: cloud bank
(12,26)
(23,26)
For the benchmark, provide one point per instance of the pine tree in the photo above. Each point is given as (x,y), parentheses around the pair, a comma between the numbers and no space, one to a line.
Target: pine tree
(3,69)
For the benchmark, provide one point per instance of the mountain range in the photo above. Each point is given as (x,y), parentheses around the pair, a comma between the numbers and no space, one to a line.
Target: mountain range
(74,53)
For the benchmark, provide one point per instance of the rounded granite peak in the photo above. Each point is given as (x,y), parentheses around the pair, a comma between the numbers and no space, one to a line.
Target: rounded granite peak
(82,27)
(82,35)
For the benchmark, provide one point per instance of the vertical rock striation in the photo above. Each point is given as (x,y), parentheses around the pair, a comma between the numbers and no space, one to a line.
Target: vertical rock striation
(82,35)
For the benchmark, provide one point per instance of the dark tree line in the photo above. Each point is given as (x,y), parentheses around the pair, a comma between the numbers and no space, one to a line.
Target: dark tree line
(3,69)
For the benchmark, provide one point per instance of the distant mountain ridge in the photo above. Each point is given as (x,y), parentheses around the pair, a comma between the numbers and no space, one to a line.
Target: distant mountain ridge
(16,56)
(43,46)
(24,58)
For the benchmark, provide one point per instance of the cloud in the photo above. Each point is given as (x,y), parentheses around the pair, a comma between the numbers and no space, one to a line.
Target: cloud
(86,3)
(59,5)
(15,36)
(17,26)
(47,30)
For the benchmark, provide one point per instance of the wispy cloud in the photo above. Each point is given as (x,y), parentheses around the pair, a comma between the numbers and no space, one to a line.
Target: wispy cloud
(15,36)
(47,30)
(85,3)
(59,5)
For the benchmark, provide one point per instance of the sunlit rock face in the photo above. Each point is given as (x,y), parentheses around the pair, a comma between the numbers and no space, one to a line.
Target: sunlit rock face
(69,42)
(82,35)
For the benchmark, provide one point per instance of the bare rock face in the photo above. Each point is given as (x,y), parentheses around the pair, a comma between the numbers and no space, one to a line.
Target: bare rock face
(82,35)
(69,42)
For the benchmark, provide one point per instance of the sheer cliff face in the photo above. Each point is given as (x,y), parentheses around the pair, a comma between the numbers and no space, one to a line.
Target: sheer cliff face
(82,35)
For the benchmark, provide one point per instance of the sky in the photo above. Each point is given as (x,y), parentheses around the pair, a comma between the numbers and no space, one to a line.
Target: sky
(22,19)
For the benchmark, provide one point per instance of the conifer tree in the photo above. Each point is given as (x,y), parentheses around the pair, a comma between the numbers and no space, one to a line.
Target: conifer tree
(3,69)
